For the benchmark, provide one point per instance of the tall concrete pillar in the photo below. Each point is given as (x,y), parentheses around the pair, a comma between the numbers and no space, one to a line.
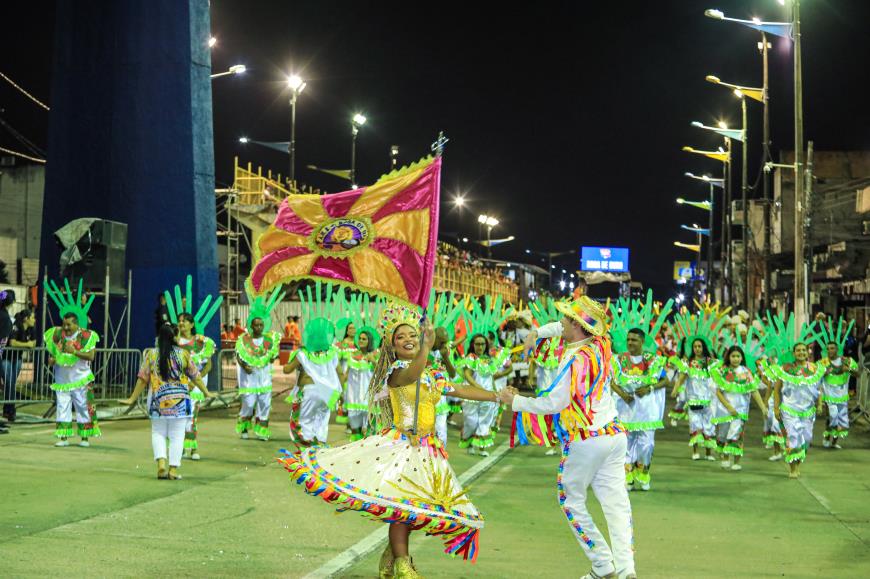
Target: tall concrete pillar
(130,140)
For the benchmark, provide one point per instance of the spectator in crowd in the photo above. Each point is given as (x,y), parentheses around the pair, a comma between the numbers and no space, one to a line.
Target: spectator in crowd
(161,313)
(291,332)
(238,329)
(23,336)
(7,298)
(227,335)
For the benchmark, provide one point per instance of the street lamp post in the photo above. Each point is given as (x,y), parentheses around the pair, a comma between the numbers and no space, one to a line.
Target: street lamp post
(489,222)
(356,122)
(758,94)
(784,30)
(297,85)
(707,206)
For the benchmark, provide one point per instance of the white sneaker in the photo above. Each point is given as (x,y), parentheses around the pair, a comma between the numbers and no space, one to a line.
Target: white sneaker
(837,446)
(472,450)
(775,457)
(84,444)
(194,456)
(736,466)
(484,453)
(726,464)
(263,438)
(244,436)
(551,452)
(826,443)
(644,486)
(696,456)
(62,443)
(673,423)
(711,458)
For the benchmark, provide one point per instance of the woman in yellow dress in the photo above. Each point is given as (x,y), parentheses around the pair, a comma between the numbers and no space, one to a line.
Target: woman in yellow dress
(399,476)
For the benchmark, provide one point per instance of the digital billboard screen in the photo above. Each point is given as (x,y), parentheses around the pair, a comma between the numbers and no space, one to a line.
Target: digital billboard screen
(613,259)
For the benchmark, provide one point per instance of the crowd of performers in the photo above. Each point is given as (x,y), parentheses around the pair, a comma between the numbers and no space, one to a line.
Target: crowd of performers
(461,360)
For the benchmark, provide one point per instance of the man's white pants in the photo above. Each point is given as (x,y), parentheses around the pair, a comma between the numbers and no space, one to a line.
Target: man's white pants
(598,462)
(70,399)
(314,412)
(256,404)
(171,429)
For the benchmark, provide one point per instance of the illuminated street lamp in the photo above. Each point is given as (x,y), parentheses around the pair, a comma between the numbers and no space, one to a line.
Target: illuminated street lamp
(235,69)
(356,122)
(489,222)
(297,85)
(212,41)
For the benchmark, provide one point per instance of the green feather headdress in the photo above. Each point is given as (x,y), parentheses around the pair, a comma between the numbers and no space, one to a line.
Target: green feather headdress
(544,310)
(751,351)
(262,308)
(826,335)
(780,336)
(488,319)
(445,311)
(204,314)
(628,313)
(704,325)
(67,303)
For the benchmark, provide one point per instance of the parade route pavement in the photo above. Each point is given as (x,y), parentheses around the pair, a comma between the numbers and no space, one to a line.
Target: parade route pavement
(101,512)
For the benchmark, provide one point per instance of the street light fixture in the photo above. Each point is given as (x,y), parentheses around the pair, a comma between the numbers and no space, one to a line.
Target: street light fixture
(356,122)
(489,222)
(297,85)
(212,41)
(234,69)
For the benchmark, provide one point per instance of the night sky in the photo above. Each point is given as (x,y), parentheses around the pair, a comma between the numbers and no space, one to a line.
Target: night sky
(565,119)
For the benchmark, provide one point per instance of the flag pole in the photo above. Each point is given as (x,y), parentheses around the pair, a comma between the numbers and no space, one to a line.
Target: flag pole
(437,148)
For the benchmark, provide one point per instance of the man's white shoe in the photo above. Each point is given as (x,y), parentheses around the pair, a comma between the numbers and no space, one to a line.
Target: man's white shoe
(711,458)
(645,486)
(726,464)
(775,457)
(736,467)
(244,436)
(826,443)
(594,575)
(195,456)
(837,446)
(696,456)
(62,443)
(84,444)
(484,453)
(472,450)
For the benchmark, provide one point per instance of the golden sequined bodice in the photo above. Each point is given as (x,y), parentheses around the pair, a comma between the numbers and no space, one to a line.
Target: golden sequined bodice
(402,399)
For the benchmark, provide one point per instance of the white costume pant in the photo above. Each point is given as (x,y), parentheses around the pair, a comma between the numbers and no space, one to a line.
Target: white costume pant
(598,462)
(478,419)
(729,431)
(258,405)
(700,423)
(838,415)
(640,446)
(70,399)
(356,419)
(798,431)
(171,429)
(441,428)
(314,412)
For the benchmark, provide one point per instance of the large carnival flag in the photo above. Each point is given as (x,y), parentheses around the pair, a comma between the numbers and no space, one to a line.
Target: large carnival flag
(381,239)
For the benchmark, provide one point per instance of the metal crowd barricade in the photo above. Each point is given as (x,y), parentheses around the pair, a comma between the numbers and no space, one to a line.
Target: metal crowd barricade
(26,377)
(115,373)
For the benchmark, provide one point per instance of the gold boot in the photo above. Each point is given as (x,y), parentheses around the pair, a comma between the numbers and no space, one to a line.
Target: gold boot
(403,568)
(385,567)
